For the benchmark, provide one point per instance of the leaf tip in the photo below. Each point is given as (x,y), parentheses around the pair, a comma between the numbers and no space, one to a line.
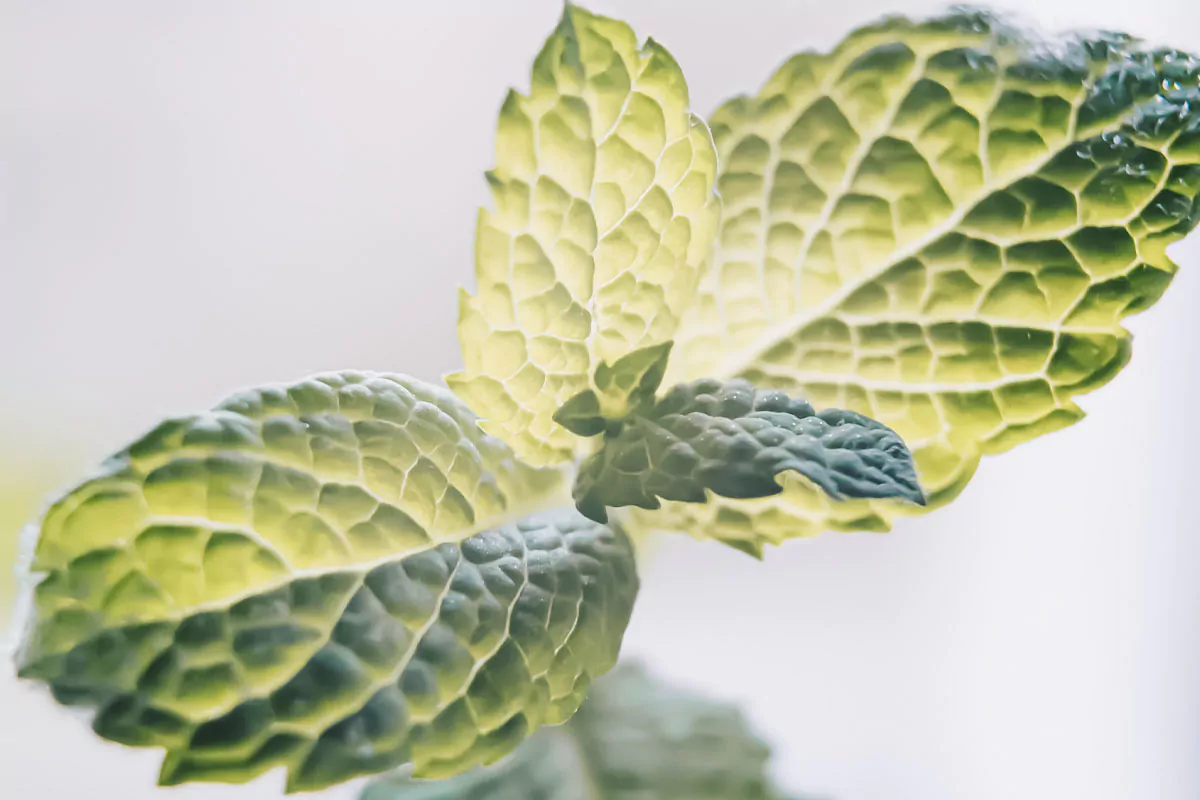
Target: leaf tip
(593,509)
(750,547)
(572,16)
(581,415)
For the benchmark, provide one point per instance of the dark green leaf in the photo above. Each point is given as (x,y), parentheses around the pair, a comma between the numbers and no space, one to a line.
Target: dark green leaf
(732,440)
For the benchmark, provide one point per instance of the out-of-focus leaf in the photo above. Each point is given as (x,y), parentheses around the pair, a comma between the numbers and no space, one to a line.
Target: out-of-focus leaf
(548,766)
(635,738)
(336,577)
(940,224)
(604,218)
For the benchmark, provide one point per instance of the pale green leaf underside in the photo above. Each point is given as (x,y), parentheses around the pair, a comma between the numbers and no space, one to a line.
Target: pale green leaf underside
(635,738)
(604,218)
(726,438)
(941,225)
(335,577)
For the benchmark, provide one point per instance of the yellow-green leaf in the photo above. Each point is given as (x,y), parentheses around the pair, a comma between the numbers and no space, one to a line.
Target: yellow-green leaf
(941,225)
(336,577)
(603,221)
(623,388)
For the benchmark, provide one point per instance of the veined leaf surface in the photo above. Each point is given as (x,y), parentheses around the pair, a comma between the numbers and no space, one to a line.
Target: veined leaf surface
(624,388)
(336,577)
(604,218)
(941,225)
(713,438)
(635,737)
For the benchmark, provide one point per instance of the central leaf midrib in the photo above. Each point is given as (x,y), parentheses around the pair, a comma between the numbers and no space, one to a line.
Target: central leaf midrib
(368,692)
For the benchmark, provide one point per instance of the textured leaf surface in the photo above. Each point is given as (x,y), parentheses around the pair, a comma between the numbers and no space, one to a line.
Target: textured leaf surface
(632,381)
(604,218)
(336,577)
(941,225)
(728,439)
(635,738)
(622,388)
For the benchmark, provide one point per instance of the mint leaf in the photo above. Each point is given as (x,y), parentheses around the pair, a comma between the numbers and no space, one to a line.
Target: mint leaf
(621,388)
(335,577)
(603,219)
(729,439)
(940,224)
(631,382)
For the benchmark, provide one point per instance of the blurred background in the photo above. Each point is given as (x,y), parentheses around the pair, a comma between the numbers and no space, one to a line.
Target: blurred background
(198,197)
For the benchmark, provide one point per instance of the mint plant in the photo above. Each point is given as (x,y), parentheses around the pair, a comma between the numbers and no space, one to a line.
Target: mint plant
(894,259)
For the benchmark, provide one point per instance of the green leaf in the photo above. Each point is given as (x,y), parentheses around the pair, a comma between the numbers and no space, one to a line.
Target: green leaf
(621,389)
(336,577)
(941,225)
(730,440)
(604,218)
(631,382)
(634,738)
(581,415)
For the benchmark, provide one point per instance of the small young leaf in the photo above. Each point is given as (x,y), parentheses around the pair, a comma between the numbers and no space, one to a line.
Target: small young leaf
(581,415)
(621,389)
(630,383)
(635,738)
(336,577)
(940,224)
(604,219)
(731,440)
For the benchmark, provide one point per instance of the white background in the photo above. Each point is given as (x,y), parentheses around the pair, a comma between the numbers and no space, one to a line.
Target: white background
(197,197)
